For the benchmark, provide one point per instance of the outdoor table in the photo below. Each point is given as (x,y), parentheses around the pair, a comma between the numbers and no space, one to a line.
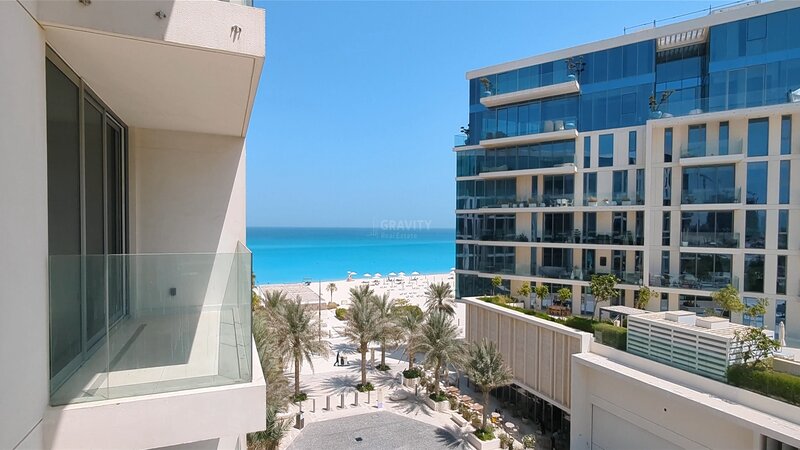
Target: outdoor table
(510,426)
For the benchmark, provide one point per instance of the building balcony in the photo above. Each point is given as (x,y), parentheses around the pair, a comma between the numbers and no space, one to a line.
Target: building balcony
(567,166)
(612,199)
(565,86)
(539,201)
(549,130)
(712,281)
(686,111)
(698,154)
(719,239)
(153,324)
(711,196)
(522,270)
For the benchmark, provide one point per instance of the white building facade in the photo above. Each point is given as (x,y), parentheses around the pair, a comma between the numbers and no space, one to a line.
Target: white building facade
(126,279)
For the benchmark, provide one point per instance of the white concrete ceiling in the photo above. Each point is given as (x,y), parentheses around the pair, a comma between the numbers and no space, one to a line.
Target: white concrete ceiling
(160,85)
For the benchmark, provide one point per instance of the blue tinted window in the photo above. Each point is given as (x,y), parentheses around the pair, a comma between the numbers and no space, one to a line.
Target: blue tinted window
(606,150)
(754,273)
(724,132)
(783,229)
(755,234)
(632,147)
(708,184)
(620,185)
(758,137)
(785,181)
(757,183)
(786,135)
(590,186)
(640,186)
(587,151)
(697,141)
(668,145)
(667,186)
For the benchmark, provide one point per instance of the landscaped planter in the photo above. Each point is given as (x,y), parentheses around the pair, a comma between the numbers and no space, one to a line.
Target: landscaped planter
(443,406)
(483,445)
(458,419)
(410,382)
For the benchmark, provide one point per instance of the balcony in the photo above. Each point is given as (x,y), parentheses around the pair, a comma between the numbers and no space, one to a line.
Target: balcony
(523,270)
(460,140)
(711,281)
(711,196)
(547,130)
(539,201)
(563,87)
(698,154)
(154,323)
(561,166)
(612,199)
(686,109)
(719,239)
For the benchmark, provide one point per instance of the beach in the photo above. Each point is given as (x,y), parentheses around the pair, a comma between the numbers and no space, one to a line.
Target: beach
(407,287)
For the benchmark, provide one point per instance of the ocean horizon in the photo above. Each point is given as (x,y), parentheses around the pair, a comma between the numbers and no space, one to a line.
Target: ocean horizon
(295,254)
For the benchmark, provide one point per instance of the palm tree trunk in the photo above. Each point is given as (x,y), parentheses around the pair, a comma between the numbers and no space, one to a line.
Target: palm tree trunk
(436,377)
(363,365)
(410,350)
(485,405)
(296,375)
(383,353)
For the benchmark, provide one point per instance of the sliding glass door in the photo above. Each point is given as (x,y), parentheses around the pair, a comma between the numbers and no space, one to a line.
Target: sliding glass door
(86,217)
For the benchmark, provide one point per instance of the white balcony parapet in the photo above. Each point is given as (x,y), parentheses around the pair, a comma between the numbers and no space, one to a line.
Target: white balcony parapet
(530,138)
(553,90)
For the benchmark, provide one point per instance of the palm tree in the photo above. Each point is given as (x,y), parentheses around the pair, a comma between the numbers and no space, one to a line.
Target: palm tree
(275,300)
(331,287)
(361,292)
(270,438)
(440,298)
(486,369)
(298,339)
(364,325)
(388,329)
(410,325)
(441,344)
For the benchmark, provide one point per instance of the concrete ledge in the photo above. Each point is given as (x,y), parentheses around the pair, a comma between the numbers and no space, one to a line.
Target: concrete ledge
(443,406)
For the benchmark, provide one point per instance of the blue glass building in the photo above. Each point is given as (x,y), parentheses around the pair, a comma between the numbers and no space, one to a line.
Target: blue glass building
(663,156)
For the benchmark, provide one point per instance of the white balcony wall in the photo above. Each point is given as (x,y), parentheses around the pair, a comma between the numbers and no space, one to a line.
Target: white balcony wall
(23,229)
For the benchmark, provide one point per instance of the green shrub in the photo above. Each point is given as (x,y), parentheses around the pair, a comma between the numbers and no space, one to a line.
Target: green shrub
(611,335)
(784,386)
(341,313)
(485,434)
(382,367)
(440,397)
(580,323)
(332,305)
(301,397)
(414,372)
(365,387)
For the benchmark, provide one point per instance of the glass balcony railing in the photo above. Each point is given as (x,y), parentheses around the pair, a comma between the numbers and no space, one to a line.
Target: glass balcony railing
(612,199)
(148,324)
(701,149)
(567,160)
(239,2)
(706,196)
(688,107)
(460,140)
(521,80)
(560,272)
(627,238)
(634,278)
(539,201)
(707,282)
(719,239)
(534,127)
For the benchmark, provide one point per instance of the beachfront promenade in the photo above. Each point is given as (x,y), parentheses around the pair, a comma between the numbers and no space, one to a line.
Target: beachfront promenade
(335,427)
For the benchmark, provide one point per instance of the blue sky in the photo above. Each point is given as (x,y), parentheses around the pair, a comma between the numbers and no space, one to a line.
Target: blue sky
(358,102)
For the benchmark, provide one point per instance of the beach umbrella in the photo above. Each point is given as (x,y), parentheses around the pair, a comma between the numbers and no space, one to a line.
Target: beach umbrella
(378,275)
(392,274)
(402,274)
(366,275)
(413,274)
(452,269)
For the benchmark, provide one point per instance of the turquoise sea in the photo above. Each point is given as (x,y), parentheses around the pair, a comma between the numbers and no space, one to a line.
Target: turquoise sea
(282,255)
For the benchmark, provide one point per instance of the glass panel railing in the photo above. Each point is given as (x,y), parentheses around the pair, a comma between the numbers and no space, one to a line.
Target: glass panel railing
(539,201)
(460,140)
(627,238)
(239,2)
(612,199)
(566,160)
(708,282)
(153,323)
(560,272)
(719,239)
(702,149)
(693,106)
(534,127)
(520,80)
(706,196)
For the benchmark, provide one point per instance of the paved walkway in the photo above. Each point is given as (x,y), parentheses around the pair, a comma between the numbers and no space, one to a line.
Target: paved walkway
(374,430)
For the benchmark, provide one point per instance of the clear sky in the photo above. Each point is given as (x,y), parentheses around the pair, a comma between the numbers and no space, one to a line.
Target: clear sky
(358,102)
